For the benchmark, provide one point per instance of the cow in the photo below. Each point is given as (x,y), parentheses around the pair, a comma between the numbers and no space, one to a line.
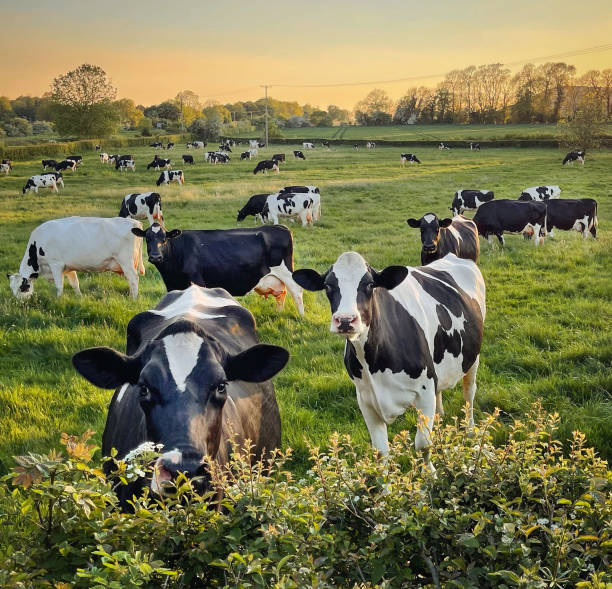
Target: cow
(313,191)
(408,158)
(254,152)
(443,145)
(355,146)
(188,145)
(168,176)
(325,143)
(567,214)
(222,158)
(5,169)
(254,206)
(8,163)
(439,237)
(62,247)
(142,206)
(66,165)
(278,157)
(156,144)
(574,156)
(410,333)
(225,147)
(469,200)
(195,380)
(113,158)
(158,163)
(59,178)
(188,159)
(497,217)
(198,144)
(49,164)
(209,156)
(299,155)
(261,144)
(290,205)
(170,145)
(307,145)
(253,143)
(540,193)
(76,158)
(264,165)
(474,146)
(370,144)
(124,165)
(245,155)
(98,147)
(104,158)
(40,181)
(234,259)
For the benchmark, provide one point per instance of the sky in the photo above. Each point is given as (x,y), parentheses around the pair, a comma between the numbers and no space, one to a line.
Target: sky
(225,50)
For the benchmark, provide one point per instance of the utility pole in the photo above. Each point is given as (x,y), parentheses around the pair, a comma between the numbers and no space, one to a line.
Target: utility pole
(266,88)
(182,117)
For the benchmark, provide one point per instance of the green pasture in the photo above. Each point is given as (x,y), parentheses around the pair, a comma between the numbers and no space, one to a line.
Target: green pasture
(547,330)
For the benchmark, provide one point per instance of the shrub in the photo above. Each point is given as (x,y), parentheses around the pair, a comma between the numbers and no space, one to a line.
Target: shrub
(517,515)
(18,127)
(41,127)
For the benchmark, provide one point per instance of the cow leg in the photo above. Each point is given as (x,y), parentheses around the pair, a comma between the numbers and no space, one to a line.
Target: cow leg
(58,279)
(536,234)
(469,390)
(500,237)
(127,266)
(304,218)
(375,424)
(73,281)
(439,406)
(593,229)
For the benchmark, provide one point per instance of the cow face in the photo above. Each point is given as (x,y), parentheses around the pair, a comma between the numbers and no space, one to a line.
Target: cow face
(157,240)
(21,286)
(350,286)
(181,380)
(430,230)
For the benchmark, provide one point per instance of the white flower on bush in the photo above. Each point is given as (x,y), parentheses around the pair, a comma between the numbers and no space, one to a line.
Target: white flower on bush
(139,457)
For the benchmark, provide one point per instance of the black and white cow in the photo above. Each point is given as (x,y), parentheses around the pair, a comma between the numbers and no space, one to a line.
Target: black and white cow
(104,158)
(253,143)
(298,154)
(158,163)
(574,156)
(540,193)
(168,176)
(239,260)
(410,333)
(225,147)
(61,247)
(264,165)
(313,191)
(279,157)
(292,206)
(439,237)
(567,214)
(370,144)
(245,155)
(98,147)
(66,165)
(307,145)
(195,379)
(156,144)
(254,206)
(76,158)
(5,169)
(124,165)
(188,159)
(409,158)
(221,158)
(443,145)
(122,158)
(198,144)
(8,163)
(142,206)
(170,145)
(325,143)
(511,216)
(474,146)
(59,178)
(40,181)
(49,164)
(113,158)
(469,200)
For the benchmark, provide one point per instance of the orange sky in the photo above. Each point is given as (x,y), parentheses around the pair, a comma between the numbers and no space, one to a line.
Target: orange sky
(226,50)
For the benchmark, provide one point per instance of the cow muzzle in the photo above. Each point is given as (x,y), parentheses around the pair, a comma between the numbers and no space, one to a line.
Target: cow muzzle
(170,464)
(430,248)
(345,323)
(155,258)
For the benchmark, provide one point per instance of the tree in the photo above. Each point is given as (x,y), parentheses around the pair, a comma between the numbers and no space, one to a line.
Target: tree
(338,114)
(320,118)
(128,113)
(584,130)
(168,110)
(376,100)
(82,102)
(6,112)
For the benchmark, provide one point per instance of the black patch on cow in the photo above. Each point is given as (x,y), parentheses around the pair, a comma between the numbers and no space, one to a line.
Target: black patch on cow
(443,317)
(351,362)
(333,291)
(32,258)
(41,251)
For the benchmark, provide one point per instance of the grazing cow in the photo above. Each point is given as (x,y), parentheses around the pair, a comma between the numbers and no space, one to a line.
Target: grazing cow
(8,163)
(142,206)
(325,144)
(156,144)
(443,145)
(234,259)
(254,206)
(113,158)
(62,247)
(188,159)
(469,200)
(298,154)
(222,158)
(168,176)
(313,191)
(158,163)
(279,157)
(540,193)
(245,155)
(410,158)
(574,156)
(40,181)
(261,144)
(225,147)
(49,164)
(209,156)
(253,143)
(254,152)
(307,145)
(198,144)
(195,380)
(188,145)
(5,168)
(125,165)
(355,146)
(170,146)
(567,214)
(98,147)
(76,158)
(371,145)
(474,146)
(59,178)
(439,237)
(264,165)
(291,206)
(410,333)
(511,216)
(104,158)
(66,165)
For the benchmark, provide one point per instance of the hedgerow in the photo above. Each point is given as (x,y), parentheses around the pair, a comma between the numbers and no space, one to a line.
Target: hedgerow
(519,514)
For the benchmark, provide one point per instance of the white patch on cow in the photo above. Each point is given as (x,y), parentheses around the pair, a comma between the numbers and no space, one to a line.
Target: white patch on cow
(429,218)
(182,351)
(174,456)
(192,297)
(349,270)
(122,391)
(155,228)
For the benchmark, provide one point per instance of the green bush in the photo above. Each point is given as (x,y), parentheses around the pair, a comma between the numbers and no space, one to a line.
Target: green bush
(516,515)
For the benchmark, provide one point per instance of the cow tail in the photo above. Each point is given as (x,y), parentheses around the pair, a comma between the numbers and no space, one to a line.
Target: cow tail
(595,223)
(123,211)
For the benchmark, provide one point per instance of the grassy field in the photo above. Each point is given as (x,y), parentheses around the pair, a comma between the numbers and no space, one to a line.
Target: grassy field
(549,309)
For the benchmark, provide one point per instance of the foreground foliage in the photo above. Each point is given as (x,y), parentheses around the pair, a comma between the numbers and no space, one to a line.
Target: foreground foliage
(520,514)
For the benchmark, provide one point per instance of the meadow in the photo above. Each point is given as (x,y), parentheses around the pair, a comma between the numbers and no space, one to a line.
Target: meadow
(548,309)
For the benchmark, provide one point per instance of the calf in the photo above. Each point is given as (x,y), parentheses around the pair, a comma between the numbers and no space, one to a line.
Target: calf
(125,165)
(66,165)
(254,206)
(188,159)
(574,156)
(409,158)
(298,154)
(307,145)
(439,237)
(49,164)
(278,157)
(245,155)
(142,206)
(40,181)
(113,158)
(60,247)
(158,163)
(410,333)
(168,176)
(567,214)
(234,259)
(291,206)
(540,193)
(264,165)
(104,158)
(469,200)
(511,216)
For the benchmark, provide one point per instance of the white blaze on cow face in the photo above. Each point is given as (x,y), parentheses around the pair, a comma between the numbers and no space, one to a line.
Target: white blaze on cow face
(182,351)
(122,391)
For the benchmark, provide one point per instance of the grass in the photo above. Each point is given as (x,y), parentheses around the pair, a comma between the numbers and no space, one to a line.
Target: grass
(549,309)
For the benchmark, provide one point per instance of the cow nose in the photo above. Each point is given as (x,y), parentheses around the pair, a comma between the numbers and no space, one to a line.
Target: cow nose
(345,322)
(430,248)
(153,258)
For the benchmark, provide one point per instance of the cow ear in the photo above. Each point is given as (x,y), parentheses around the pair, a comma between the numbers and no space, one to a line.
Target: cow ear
(309,279)
(445,222)
(390,277)
(174,233)
(416,223)
(257,364)
(138,232)
(106,368)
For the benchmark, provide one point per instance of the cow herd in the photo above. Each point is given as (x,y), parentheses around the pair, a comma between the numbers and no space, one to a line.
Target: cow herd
(194,374)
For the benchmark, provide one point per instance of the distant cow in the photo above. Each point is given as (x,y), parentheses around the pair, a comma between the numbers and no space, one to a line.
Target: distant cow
(66,165)
(307,145)
(122,158)
(142,206)
(254,206)
(254,152)
(313,191)
(475,146)
(40,181)
(59,178)
(222,158)
(168,176)
(325,143)
(188,159)
(409,158)
(443,145)
(170,145)
(253,143)
(8,163)
(371,145)
(60,247)
(290,205)
(225,147)
(245,155)
(98,147)
(198,144)
(104,158)
(278,157)
(5,169)
(511,216)
(567,214)
(574,156)
(540,193)
(156,144)
(49,164)
(469,200)
(125,165)
(439,237)
(76,158)
(298,154)
(264,165)
(158,163)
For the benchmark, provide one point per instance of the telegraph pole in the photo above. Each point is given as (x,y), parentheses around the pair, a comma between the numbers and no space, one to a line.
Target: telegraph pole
(266,88)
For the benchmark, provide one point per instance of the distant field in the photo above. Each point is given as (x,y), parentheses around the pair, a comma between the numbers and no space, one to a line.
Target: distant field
(549,310)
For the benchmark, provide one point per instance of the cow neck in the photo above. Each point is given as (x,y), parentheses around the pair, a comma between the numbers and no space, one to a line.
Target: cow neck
(172,260)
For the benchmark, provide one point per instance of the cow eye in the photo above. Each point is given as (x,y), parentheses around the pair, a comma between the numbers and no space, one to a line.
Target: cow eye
(144,392)
(370,286)
(221,389)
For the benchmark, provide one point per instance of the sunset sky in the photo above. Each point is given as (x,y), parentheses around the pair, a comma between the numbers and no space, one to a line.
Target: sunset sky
(224,50)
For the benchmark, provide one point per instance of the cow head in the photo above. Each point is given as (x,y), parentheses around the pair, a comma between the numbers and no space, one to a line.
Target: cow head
(430,230)
(181,380)
(21,287)
(350,285)
(157,240)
